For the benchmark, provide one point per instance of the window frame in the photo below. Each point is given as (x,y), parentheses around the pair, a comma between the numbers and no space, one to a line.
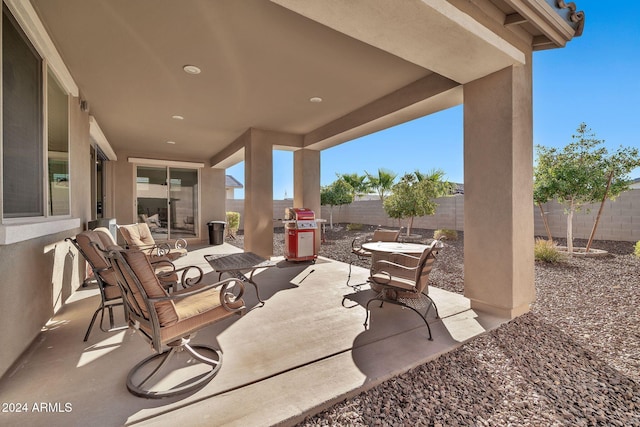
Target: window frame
(13,230)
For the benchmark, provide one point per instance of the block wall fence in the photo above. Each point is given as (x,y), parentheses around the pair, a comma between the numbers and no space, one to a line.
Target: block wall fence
(620,219)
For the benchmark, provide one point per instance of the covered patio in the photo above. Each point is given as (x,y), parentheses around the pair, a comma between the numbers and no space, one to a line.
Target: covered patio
(299,353)
(191,88)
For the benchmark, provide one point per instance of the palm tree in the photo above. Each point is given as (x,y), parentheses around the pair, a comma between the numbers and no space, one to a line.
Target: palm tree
(413,196)
(383,182)
(357,182)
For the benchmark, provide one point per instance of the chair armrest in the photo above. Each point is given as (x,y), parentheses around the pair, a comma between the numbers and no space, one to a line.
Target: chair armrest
(160,248)
(403,255)
(226,297)
(184,280)
(389,264)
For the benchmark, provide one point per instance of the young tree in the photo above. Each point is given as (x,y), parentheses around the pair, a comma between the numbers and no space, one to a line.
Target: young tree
(413,195)
(337,193)
(382,183)
(583,172)
(543,191)
(358,183)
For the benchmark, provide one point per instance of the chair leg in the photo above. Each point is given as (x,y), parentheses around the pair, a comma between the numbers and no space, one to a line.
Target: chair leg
(101,309)
(355,287)
(156,367)
(93,319)
(382,300)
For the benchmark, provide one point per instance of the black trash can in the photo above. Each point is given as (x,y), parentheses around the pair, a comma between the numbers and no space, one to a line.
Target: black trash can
(216,232)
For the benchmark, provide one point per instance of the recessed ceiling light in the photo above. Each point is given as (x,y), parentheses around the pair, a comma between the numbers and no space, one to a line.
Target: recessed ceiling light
(191,69)
(171,142)
(176,117)
(315,99)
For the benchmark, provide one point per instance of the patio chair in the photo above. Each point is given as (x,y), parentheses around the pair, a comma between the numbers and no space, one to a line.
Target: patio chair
(138,236)
(169,321)
(379,235)
(91,244)
(405,286)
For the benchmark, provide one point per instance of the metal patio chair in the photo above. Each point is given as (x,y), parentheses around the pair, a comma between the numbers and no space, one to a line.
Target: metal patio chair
(406,286)
(379,235)
(168,321)
(138,236)
(92,244)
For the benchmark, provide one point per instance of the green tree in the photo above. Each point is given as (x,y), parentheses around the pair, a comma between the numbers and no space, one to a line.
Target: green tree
(358,183)
(381,183)
(413,196)
(583,172)
(337,193)
(543,191)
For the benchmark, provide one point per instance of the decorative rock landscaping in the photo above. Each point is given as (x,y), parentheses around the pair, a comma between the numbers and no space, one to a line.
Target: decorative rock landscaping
(573,360)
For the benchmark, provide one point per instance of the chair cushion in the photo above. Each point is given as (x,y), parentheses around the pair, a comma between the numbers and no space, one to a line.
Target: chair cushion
(110,282)
(99,262)
(97,259)
(137,234)
(385,235)
(105,237)
(142,268)
(196,311)
(361,252)
(395,281)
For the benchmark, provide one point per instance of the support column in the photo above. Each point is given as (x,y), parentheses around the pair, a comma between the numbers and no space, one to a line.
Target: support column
(258,193)
(306,182)
(498,181)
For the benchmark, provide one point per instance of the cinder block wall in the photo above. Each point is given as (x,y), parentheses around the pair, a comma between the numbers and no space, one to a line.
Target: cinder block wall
(620,219)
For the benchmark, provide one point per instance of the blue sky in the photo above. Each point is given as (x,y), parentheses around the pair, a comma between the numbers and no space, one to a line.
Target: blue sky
(591,80)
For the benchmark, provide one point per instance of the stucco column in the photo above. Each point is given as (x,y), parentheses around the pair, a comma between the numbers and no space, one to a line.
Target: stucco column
(258,193)
(306,182)
(498,187)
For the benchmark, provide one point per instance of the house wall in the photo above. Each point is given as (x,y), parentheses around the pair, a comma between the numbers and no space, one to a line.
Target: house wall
(212,192)
(620,219)
(39,274)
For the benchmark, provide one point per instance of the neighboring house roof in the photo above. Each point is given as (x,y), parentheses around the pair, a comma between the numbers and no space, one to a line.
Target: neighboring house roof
(231,182)
(635,183)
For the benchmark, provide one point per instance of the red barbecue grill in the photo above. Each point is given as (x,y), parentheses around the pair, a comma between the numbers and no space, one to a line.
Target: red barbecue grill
(300,235)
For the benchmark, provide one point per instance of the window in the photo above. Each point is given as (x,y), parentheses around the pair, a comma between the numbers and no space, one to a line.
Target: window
(24,165)
(58,147)
(22,151)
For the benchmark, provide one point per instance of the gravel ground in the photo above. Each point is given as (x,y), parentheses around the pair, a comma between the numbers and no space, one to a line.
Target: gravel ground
(573,360)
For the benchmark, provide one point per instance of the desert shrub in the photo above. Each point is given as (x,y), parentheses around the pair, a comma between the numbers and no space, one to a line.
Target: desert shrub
(233,223)
(354,227)
(445,233)
(547,251)
(637,251)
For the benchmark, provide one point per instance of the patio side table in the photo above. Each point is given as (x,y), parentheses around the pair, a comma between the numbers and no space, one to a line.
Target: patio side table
(238,265)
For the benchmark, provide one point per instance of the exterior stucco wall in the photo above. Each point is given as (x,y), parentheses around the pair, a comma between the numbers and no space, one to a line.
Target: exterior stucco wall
(40,274)
(124,182)
(212,198)
(212,194)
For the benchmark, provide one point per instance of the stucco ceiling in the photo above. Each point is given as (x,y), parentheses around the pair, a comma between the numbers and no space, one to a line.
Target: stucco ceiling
(374,63)
(261,64)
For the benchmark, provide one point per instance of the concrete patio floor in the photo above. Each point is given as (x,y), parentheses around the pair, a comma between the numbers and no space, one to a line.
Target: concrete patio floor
(298,354)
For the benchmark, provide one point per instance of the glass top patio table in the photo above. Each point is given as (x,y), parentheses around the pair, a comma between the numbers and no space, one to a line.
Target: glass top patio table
(237,264)
(394,247)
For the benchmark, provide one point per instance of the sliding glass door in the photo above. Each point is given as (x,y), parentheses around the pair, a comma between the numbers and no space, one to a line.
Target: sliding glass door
(167,200)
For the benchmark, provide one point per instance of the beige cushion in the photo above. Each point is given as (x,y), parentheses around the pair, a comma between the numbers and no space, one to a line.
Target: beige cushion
(142,268)
(105,237)
(98,260)
(194,312)
(385,235)
(137,234)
